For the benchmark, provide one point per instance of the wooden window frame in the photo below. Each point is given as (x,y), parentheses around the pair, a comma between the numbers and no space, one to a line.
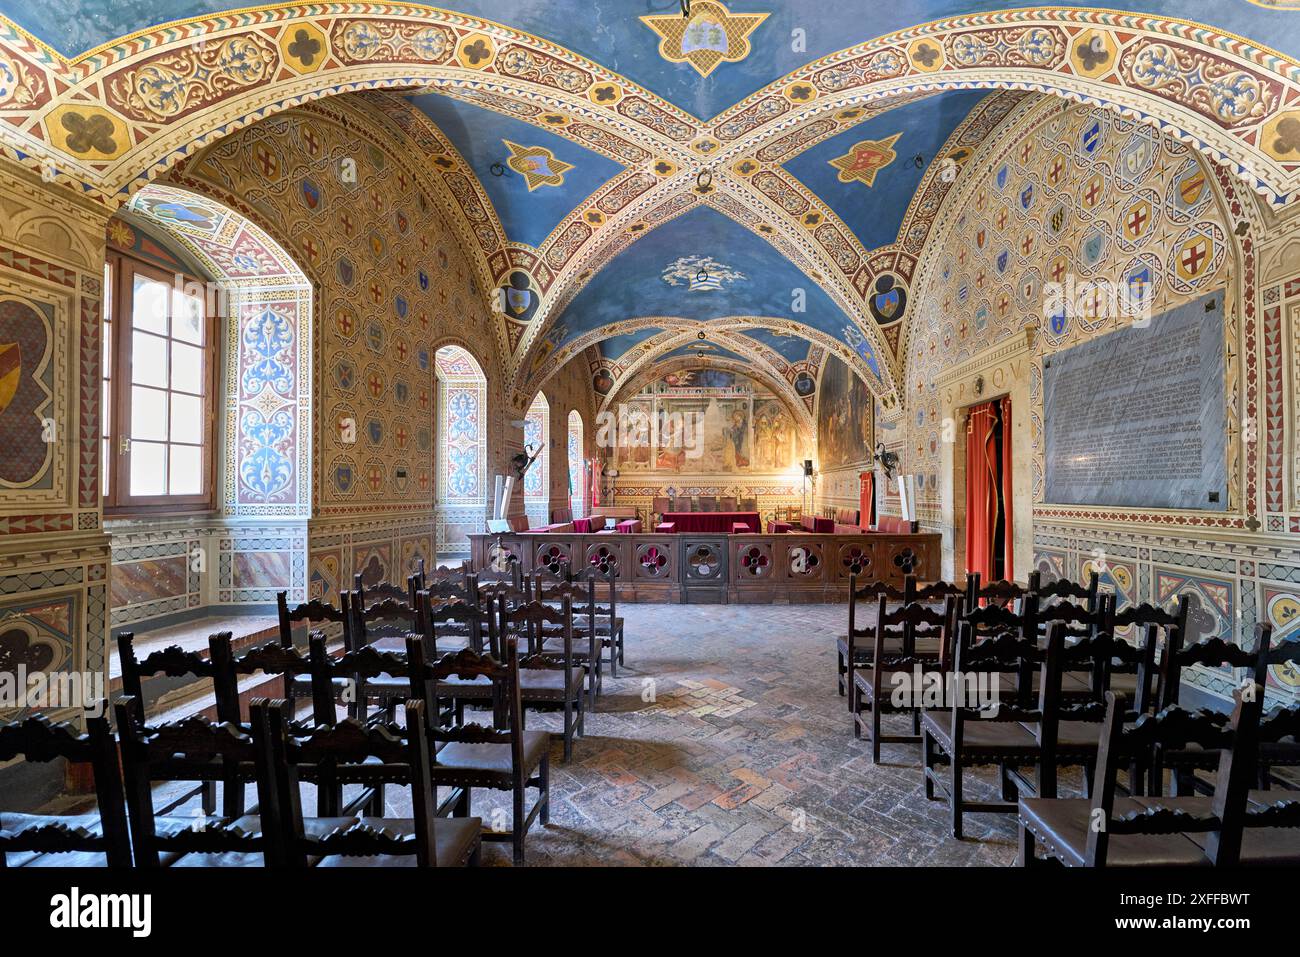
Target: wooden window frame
(123,268)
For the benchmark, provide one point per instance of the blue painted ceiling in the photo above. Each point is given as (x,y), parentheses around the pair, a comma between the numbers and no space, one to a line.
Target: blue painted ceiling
(615,346)
(742,276)
(874,212)
(480,135)
(790,348)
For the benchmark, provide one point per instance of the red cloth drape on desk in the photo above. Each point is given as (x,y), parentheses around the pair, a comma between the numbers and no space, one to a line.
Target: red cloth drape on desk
(988,490)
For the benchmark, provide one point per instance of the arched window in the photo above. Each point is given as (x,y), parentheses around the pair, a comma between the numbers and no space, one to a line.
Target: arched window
(461,455)
(537,483)
(577,469)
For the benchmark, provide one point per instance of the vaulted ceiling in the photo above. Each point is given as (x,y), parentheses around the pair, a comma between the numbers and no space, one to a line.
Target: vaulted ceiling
(641,184)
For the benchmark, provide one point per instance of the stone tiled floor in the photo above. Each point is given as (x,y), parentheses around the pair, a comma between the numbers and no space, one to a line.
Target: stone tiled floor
(744,756)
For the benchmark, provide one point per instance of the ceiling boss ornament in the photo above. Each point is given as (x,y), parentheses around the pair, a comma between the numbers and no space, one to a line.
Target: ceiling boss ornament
(864,160)
(537,165)
(705,37)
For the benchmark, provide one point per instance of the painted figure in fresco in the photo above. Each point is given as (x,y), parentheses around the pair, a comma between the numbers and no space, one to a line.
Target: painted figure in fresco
(737,433)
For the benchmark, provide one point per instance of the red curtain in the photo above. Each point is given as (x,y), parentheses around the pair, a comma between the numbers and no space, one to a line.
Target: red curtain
(988,490)
(981,494)
(866,499)
(1008,548)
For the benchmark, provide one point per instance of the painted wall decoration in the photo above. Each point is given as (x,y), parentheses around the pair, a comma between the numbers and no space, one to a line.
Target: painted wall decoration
(1077,201)
(28,427)
(391,277)
(706,422)
(844,418)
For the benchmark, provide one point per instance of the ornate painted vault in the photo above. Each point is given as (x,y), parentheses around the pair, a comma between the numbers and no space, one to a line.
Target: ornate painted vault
(749,182)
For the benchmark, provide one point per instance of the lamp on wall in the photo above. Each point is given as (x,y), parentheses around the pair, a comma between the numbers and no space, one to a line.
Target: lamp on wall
(887,460)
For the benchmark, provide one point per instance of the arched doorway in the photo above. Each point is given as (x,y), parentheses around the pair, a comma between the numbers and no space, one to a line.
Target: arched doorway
(577,465)
(461,455)
(537,483)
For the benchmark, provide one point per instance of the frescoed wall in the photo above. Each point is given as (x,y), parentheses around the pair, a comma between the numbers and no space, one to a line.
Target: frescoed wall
(1077,196)
(393,286)
(707,432)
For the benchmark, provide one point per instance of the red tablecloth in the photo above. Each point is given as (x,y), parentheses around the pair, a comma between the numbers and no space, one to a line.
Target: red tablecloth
(712,523)
(630,527)
(582,525)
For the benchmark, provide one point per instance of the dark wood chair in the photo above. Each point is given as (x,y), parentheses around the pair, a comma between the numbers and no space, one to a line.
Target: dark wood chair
(503,757)
(708,503)
(171,662)
(609,624)
(727,504)
(186,750)
(1064,588)
(1217,653)
(354,750)
(83,840)
(1069,730)
(313,614)
(660,504)
(991,729)
(979,592)
(857,643)
(870,696)
(1108,830)
(382,626)
(682,503)
(588,644)
(550,680)
(749,505)
(370,594)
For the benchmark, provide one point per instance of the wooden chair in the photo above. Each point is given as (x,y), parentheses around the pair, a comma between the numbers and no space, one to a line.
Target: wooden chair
(1167,628)
(989,731)
(83,840)
(504,756)
(550,680)
(1136,832)
(749,505)
(1064,588)
(354,749)
(1069,731)
(1217,653)
(382,626)
(660,504)
(868,691)
(709,503)
(170,662)
(312,613)
(370,594)
(452,627)
(857,643)
(682,503)
(186,750)
(588,644)
(609,624)
(727,504)
(1002,593)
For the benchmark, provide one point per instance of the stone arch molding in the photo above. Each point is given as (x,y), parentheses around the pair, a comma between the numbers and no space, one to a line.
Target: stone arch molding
(179,85)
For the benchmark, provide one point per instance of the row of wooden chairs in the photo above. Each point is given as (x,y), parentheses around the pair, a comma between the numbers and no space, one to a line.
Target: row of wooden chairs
(1234,825)
(277,753)
(661,504)
(1058,660)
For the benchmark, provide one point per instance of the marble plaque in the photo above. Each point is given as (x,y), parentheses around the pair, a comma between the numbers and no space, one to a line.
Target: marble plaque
(1135,418)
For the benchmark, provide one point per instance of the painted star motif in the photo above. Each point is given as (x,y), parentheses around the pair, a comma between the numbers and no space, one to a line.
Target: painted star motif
(709,36)
(861,163)
(537,165)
